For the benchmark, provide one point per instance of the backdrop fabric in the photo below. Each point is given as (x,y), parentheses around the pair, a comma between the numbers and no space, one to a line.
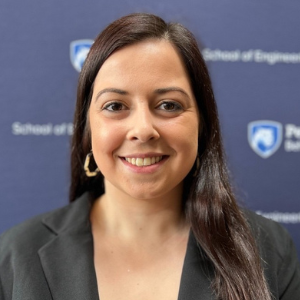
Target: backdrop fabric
(252,49)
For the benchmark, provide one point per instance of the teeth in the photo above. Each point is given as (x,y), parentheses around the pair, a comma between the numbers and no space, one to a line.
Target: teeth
(139,162)
(147,161)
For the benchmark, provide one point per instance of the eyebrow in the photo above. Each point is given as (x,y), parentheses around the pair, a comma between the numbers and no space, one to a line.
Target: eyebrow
(160,91)
(171,89)
(111,90)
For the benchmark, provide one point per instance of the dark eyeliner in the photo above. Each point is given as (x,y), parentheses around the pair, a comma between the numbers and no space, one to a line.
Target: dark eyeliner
(177,106)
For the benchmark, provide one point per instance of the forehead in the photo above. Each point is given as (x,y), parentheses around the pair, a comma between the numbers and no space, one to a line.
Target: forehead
(151,60)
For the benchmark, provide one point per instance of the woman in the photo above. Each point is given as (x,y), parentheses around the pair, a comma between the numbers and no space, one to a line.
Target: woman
(152,213)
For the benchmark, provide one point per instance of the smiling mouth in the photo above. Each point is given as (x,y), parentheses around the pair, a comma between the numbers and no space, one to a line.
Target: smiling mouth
(142,162)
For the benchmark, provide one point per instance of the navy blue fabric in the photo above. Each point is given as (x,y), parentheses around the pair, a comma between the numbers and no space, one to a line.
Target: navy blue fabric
(252,50)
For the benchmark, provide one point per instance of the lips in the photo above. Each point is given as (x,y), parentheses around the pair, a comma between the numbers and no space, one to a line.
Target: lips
(142,162)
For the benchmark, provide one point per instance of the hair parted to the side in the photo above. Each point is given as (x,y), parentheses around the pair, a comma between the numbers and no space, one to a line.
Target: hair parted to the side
(217,222)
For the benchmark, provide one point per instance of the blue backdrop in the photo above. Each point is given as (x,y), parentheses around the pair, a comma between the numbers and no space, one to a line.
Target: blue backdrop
(253,52)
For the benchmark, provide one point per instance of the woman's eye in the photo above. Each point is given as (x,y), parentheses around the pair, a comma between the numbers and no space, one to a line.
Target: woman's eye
(114,106)
(170,106)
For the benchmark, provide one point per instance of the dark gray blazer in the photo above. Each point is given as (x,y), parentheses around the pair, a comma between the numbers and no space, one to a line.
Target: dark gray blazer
(51,257)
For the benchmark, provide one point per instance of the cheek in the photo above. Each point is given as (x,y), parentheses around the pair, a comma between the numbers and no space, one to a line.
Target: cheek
(105,139)
(189,145)
(185,135)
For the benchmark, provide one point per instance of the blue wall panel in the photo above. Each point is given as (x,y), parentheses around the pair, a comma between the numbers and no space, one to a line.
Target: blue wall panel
(253,53)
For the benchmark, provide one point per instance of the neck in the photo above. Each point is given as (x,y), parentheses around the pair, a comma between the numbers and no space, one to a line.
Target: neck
(120,215)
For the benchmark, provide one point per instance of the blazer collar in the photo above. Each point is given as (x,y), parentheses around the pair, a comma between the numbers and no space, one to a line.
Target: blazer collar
(67,259)
(196,274)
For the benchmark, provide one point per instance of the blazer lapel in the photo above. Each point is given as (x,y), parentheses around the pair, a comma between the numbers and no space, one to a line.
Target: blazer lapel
(195,274)
(67,260)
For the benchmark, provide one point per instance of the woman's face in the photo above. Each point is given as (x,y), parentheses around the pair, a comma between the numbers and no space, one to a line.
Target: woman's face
(144,121)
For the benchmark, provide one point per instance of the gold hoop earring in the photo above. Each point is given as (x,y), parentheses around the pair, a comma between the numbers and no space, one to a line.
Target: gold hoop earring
(197,166)
(89,173)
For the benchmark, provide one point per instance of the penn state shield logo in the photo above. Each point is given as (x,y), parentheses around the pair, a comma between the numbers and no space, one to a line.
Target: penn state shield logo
(78,52)
(264,137)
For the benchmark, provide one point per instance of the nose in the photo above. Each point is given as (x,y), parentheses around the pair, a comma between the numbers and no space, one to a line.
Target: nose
(142,126)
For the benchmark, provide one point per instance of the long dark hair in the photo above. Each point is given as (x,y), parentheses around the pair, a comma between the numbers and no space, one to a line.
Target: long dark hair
(218,224)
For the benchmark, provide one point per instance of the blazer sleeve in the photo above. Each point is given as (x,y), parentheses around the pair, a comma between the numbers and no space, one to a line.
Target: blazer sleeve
(289,272)
(1,290)
(21,274)
(279,257)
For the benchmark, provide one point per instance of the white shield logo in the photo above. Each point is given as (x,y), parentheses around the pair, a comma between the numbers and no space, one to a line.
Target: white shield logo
(265,137)
(78,52)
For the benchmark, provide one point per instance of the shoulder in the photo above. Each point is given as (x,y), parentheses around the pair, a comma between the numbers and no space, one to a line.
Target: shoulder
(25,237)
(272,237)
(35,232)
(19,259)
(23,246)
(269,234)
(278,254)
